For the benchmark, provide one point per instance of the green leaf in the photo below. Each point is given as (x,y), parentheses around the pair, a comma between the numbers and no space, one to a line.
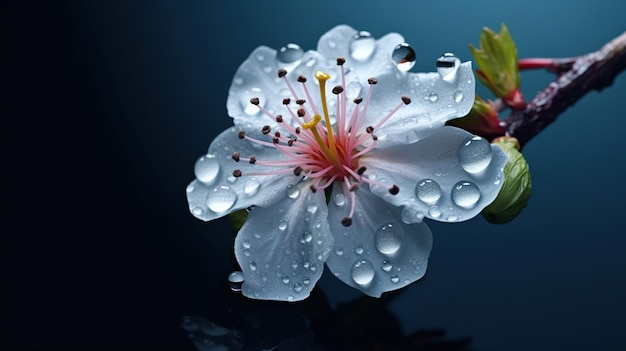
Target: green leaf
(517,186)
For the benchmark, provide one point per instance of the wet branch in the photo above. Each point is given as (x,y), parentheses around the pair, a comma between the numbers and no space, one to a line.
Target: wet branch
(576,77)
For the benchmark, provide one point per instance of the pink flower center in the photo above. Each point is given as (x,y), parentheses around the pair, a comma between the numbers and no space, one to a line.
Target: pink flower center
(323,152)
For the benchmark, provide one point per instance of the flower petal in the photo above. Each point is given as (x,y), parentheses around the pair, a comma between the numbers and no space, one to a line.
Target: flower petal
(433,102)
(216,192)
(377,252)
(449,176)
(281,249)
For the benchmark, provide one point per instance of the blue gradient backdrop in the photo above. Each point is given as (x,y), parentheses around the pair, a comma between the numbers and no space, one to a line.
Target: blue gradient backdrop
(107,104)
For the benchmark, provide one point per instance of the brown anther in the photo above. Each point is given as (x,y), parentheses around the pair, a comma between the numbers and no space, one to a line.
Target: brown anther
(286,101)
(266,129)
(237,173)
(301,112)
(301,79)
(279,118)
(252,160)
(300,101)
(282,72)
(297,171)
(236,156)
(374,137)
(406,99)
(254,101)
(346,221)
(290,142)
(277,134)
(337,90)
(372,81)
(394,190)
(357,100)
(297,130)
(353,187)
(275,140)
(369,129)
(242,134)
(340,61)
(361,170)
(313,188)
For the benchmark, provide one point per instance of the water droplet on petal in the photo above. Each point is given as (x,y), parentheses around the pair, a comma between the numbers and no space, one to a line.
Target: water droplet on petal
(292,191)
(307,237)
(359,250)
(282,225)
(465,194)
(207,169)
(386,266)
(362,46)
(245,243)
(428,191)
(394,279)
(285,279)
(433,97)
(197,211)
(362,272)
(289,53)
(447,67)
(339,251)
(387,239)
(339,199)
(297,287)
(475,154)
(353,90)
(252,265)
(235,279)
(311,208)
(221,199)
(244,101)
(306,280)
(458,96)
(434,211)
(289,298)
(403,56)
(251,186)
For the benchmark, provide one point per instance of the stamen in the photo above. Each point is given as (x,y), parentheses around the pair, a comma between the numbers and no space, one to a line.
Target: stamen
(322,77)
(394,190)
(266,129)
(297,171)
(346,221)
(282,72)
(340,61)
(237,173)
(236,155)
(361,170)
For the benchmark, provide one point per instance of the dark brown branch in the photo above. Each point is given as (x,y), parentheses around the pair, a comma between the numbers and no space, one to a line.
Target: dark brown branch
(593,71)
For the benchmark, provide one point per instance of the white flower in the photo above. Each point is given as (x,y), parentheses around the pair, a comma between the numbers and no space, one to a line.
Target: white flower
(386,162)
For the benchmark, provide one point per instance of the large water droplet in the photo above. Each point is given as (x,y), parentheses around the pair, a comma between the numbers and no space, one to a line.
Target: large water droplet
(292,191)
(235,279)
(448,66)
(403,56)
(465,194)
(362,272)
(387,239)
(362,46)
(386,266)
(289,53)
(428,191)
(207,168)
(244,101)
(475,154)
(339,199)
(221,199)
(251,186)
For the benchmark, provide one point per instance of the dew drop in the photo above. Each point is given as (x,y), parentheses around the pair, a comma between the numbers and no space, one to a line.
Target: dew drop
(394,279)
(353,90)
(306,280)
(387,239)
(404,57)
(290,53)
(282,225)
(359,250)
(244,101)
(339,199)
(458,96)
(235,279)
(386,266)
(475,154)
(207,169)
(292,191)
(251,186)
(362,46)
(339,251)
(433,97)
(289,298)
(245,243)
(310,62)
(434,211)
(307,237)
(465,194)
(221,199)
(311,208)
(285,279)
(197,211)
(297,287)
(362,272)
(252,265)
(448,66)
(428,191)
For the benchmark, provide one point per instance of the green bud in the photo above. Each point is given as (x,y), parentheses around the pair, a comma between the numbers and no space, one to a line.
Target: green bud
(497,65)
(481,120)
(516,188)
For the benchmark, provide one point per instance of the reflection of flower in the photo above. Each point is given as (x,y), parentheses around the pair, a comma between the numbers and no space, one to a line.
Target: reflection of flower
(316,124)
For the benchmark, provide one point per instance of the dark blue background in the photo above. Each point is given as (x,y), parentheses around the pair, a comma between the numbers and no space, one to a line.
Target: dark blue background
(107,104)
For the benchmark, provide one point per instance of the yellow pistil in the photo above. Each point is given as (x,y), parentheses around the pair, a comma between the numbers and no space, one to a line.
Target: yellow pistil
(322,77)
(312,125)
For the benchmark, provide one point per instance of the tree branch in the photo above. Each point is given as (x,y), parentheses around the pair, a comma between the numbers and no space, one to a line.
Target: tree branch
(576,77)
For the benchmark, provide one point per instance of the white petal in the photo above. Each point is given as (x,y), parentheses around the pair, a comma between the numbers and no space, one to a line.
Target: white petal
(281,249)
(216,192)
(433,102)
(378,252)
(449,176)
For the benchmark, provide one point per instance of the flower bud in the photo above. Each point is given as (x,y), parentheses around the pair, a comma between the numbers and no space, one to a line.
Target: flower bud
(482,120)
(516,189)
